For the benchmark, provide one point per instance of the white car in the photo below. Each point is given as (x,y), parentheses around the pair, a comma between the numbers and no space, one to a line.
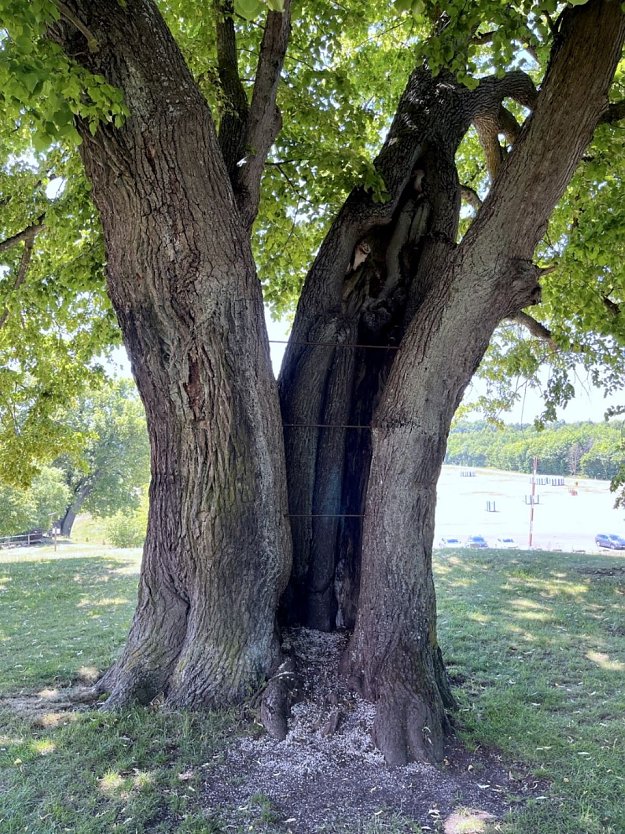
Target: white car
(450,542)
(506,543)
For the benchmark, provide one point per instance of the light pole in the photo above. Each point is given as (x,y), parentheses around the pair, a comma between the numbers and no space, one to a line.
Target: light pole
(532,499)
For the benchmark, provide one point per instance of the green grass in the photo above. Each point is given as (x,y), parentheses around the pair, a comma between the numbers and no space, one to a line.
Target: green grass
(89,530)
(64,616)
(538,637)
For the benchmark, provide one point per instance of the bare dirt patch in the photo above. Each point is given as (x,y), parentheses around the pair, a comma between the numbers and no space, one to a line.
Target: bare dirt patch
(327,775)
(612,571)
(50,707)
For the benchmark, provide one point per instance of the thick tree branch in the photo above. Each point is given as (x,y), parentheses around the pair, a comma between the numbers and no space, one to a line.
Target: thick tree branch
(491,91)
(69,15)
(29,233)
(29,242)
(614,113)
(264,120)
(571,102)
(487,128)
(508,125)
(233,124)
(491,118)
(534,326)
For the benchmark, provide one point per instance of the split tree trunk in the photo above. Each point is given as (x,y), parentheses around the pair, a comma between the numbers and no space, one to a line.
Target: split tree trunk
(349,324)
(182,281)
(453,298)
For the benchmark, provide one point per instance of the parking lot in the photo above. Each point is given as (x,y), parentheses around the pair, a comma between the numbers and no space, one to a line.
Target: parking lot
(562,521)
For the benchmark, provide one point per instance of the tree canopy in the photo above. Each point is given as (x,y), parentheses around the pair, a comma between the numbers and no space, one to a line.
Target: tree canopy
(36,508)
(105,468)
(585,450)
(107,473)
(344,70)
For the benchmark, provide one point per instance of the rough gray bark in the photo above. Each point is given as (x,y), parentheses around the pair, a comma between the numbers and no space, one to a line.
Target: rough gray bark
(370,276)
(359,292)
(182,281)
(392,655)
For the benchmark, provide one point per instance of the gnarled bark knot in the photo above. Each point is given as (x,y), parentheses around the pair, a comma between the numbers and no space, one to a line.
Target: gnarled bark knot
(523,285)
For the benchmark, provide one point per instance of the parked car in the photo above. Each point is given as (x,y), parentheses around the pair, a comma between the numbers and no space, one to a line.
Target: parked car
(450,542)
(476,542)
(610,540)
(506,543)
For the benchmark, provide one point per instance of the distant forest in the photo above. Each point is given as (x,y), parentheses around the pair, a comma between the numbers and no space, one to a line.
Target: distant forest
(588,450)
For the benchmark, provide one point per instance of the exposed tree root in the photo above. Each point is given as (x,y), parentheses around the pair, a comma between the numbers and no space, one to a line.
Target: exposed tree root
(277,699)
(406,729)
(411,693)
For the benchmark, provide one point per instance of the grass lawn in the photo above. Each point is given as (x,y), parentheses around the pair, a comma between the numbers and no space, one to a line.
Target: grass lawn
(538,640)
(89,530)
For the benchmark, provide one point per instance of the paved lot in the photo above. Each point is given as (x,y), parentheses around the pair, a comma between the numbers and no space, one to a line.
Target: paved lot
(561,520)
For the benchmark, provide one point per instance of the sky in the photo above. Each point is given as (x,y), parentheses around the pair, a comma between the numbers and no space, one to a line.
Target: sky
(589,403)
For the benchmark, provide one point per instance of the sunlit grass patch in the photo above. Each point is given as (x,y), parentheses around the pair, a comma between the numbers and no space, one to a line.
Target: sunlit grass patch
(92,774)
(541,650)
(58,618)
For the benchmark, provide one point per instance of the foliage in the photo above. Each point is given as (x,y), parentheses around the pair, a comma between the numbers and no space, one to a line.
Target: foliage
(34,68)
(59,321)
(127,529)
(589,450)
(103,469)
(17,511)
(50,496)
(113,464)
(582,299)
(345,68)
(35,508)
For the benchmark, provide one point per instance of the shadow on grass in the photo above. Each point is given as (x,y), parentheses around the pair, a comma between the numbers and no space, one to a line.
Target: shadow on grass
(137,771)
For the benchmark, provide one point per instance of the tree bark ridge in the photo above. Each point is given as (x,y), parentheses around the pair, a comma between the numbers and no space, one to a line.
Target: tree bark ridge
(183,284)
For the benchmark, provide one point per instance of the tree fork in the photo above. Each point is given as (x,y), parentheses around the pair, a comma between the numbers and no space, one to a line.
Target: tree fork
(368,304)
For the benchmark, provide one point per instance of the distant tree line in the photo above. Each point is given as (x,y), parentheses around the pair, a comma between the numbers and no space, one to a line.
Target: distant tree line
(104,471)
(587,450)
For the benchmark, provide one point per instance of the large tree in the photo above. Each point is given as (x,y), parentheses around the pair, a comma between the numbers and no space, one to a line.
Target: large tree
(113,464)
(394,315)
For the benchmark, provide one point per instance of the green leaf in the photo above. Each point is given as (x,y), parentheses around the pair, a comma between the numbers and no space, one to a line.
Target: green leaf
(249,9)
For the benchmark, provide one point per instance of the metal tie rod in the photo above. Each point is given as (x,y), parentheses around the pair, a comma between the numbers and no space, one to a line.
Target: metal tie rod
(332,344)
